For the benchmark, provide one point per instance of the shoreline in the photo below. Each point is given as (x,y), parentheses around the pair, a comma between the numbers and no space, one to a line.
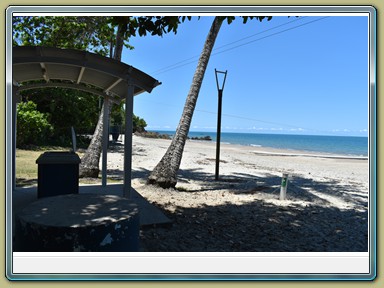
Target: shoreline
(306,150)
(289,152)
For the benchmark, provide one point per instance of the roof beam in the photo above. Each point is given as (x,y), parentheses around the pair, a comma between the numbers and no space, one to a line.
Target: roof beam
(114,99)
(44,72)
(113,85)
(80,75)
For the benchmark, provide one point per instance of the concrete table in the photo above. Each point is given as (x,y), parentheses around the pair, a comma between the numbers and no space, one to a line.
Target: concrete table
(78,223)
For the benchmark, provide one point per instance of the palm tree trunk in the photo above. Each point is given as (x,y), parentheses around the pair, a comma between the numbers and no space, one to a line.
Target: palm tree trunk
(89,166)
(165,172)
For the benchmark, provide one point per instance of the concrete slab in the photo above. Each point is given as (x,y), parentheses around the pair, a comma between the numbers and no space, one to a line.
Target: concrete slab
(149,214)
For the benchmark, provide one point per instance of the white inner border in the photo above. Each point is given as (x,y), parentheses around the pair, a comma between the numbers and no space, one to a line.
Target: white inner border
(191,263)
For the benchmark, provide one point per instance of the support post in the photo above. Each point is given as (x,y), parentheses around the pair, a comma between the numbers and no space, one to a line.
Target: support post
(218,135)
(284,185)
(105,142)
(15,100)
(128,141)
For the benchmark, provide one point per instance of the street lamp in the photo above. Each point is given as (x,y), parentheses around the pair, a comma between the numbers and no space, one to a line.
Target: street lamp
(218,135)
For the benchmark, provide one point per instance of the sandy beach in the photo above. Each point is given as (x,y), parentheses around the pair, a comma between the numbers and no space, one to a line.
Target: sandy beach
(326,209)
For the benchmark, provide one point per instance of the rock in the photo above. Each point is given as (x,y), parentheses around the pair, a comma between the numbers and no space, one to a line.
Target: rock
(204,138)
(150,134)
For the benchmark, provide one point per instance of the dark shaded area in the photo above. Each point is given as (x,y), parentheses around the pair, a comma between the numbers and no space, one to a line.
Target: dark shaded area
(269,228)
(260,226)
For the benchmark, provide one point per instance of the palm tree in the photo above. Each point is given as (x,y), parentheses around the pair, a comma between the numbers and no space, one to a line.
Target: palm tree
(89,166)
(165,172)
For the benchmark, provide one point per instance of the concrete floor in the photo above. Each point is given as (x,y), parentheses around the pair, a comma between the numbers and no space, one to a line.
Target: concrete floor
(149,214)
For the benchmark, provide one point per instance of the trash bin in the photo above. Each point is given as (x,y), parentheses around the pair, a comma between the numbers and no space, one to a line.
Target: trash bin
(57,174)
(115,132)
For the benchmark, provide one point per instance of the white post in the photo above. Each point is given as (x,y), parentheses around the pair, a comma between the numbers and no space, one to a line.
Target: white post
(128,141)
(105,142)
(283,189)
(15,100)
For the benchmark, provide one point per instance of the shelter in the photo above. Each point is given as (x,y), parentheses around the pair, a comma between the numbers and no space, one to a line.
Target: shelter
(39,67)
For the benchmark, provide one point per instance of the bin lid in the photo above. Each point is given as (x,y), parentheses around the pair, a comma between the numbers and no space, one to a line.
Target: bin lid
(58,157)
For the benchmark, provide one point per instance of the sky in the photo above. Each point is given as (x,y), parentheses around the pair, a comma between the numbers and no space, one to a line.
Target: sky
(305,75)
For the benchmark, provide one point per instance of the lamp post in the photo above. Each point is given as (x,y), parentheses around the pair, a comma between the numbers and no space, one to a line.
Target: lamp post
(220,88)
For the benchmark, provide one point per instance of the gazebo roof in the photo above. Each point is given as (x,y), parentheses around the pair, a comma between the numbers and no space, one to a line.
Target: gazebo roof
(37,67)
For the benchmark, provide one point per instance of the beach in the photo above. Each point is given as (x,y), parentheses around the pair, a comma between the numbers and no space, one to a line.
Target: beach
(326,208)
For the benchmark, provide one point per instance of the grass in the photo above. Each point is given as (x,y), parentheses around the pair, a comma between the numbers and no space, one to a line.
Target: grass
(26,167)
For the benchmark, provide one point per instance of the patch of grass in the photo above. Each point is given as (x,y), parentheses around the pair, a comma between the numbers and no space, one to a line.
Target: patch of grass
(26,167)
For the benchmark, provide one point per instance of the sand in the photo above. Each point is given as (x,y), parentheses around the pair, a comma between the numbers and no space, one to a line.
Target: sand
(326,208)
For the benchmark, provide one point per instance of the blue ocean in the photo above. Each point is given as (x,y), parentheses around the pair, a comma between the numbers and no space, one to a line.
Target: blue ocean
(341,145)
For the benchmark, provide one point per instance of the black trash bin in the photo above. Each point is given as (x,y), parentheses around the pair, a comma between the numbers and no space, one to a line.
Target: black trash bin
(115,132)
(57,174)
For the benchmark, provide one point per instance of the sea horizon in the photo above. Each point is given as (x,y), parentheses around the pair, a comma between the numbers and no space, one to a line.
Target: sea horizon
(328,144)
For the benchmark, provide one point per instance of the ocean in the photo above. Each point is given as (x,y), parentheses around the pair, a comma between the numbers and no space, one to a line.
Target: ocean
(340,145)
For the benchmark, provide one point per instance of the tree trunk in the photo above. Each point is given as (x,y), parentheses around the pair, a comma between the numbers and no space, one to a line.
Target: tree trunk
(119,43)
(89,166)
(165,172)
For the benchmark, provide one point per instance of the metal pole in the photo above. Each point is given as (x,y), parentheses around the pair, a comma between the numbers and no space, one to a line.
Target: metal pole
(218,135)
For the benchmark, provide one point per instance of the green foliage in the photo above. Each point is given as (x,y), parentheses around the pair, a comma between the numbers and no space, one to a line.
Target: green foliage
(94,34)
(33,127)
(139,124)
(84,33)
(230,19)
(65,108)
(117,115)
(154,25)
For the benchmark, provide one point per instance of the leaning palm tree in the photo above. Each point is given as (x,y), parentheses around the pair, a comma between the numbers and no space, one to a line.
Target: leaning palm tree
(165,173)
(89,166)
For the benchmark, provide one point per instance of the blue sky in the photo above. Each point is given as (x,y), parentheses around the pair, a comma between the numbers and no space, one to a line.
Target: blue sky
(306,75)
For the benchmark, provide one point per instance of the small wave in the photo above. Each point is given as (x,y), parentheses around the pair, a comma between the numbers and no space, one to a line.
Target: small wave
(255,145)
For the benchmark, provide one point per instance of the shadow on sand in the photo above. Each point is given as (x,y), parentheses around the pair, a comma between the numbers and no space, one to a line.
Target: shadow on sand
(310,222)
